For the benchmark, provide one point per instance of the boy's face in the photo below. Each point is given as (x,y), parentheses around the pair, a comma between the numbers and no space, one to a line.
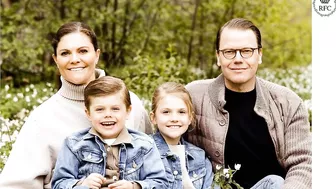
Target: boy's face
(108,114)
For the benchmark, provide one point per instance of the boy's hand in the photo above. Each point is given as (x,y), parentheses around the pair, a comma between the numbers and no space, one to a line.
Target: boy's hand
(121,184)
(93,181)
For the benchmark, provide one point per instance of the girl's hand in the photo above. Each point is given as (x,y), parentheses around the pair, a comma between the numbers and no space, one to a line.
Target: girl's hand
(121,184)
(93,181)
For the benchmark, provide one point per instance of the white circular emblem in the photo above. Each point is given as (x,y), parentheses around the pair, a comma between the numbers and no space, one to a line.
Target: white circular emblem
(324,7)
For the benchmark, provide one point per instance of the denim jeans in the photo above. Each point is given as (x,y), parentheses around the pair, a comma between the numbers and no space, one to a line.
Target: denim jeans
(269,182)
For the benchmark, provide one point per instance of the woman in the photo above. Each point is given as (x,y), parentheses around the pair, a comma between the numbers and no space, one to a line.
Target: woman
(32,159)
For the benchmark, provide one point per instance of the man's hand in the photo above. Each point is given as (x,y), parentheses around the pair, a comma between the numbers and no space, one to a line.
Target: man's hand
(94,181)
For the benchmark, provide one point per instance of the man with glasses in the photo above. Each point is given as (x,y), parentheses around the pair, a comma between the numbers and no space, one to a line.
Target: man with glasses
(243,119)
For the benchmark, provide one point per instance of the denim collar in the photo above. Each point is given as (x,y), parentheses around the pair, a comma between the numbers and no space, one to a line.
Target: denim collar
(164,149)
(123,138)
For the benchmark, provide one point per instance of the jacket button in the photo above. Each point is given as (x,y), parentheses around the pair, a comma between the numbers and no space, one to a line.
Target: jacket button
(114,178)
(175,172)
(222,122)
(217,154)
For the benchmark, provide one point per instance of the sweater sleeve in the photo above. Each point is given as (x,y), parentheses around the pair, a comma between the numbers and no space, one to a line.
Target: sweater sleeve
(298,154)
(139,119)
(30,161)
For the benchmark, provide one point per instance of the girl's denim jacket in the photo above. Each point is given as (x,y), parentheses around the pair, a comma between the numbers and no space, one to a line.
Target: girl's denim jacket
(84,153)
(198,165)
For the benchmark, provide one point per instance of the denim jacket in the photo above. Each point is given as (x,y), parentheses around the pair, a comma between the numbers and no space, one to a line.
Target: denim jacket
(198,165)
(83,153)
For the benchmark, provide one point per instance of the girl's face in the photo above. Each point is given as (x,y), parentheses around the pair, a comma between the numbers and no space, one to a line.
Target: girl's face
(76,58)
(172,118)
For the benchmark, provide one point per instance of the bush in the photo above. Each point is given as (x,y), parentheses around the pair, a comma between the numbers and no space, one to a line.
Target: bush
(147,73)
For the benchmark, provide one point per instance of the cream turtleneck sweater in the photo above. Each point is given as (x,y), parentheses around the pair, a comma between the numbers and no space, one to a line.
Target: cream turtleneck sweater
(34,153)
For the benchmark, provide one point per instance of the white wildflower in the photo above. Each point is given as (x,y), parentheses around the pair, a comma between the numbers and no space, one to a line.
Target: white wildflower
(27,99)
(15,99)
(20,95)
(237,166)
(225,171)
(39,101)
(6,87)
(4,126)
(34,93)
(21,114)
(15,134)
(5,138)
(8,95)
(218,167)
(27,89)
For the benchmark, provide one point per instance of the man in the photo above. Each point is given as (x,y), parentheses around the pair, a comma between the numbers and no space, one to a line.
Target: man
(243,119)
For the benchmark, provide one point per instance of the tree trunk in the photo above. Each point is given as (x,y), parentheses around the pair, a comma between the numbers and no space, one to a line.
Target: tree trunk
(192,31)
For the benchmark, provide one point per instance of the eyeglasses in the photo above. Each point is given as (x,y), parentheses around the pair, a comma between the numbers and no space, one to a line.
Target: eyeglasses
(231,53)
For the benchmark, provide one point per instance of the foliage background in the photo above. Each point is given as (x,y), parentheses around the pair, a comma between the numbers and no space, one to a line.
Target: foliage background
(145,43)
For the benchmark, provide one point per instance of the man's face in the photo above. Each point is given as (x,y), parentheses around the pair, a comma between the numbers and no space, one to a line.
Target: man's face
(239,72)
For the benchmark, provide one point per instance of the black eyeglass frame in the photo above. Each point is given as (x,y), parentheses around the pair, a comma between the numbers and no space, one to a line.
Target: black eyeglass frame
(240,50)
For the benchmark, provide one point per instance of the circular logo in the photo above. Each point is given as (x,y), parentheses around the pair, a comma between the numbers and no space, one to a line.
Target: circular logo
(324,7)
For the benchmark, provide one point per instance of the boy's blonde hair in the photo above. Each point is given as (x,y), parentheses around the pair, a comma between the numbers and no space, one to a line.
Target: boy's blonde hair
(104,86)
(179,91)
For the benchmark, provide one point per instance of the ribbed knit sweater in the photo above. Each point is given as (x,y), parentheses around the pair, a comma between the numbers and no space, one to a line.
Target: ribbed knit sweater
(34,153)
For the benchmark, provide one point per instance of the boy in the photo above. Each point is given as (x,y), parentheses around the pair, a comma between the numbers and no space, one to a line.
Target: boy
(108,155)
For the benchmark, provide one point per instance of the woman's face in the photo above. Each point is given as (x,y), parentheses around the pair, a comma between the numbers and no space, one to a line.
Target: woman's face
(76,58)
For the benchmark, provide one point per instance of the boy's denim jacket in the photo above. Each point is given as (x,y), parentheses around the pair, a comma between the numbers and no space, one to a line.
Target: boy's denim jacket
(198,165)
(84,153)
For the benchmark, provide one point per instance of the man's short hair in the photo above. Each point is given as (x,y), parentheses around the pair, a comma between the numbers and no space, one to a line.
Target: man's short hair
(241,24)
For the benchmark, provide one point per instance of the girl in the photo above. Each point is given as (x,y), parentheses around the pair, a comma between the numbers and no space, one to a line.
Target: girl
(172,114)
